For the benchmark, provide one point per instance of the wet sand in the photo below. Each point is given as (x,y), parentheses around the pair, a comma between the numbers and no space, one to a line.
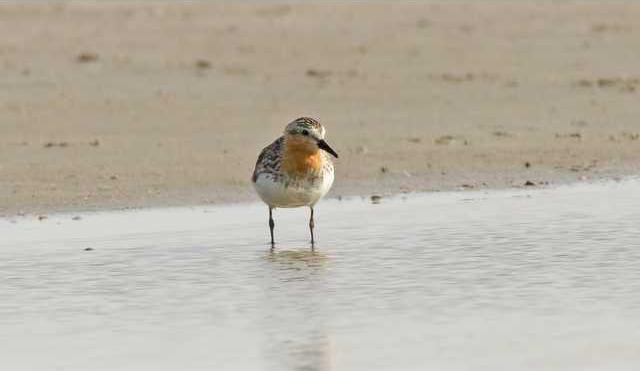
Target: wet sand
(122,105)
(544,279)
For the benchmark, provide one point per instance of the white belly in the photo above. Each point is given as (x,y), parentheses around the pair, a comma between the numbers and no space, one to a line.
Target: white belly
(276,194)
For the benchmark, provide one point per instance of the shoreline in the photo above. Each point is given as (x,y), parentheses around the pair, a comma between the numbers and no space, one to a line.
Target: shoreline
(150,206)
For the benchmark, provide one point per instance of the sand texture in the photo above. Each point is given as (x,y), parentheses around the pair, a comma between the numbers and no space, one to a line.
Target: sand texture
(111,105)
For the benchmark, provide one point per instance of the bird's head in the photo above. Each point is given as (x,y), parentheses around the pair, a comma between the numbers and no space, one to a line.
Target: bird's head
(309,133)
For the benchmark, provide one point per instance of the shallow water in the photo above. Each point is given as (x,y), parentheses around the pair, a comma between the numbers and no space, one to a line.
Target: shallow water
(501,280)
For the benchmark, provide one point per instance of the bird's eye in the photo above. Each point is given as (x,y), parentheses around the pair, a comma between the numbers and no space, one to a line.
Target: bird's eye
(305,132)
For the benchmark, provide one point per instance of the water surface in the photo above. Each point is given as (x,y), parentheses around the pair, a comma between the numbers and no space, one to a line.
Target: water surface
(499,280)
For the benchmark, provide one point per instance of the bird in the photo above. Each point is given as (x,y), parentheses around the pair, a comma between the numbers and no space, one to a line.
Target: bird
(295,170)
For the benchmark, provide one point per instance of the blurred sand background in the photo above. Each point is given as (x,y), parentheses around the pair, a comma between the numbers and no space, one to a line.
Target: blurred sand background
(112,105)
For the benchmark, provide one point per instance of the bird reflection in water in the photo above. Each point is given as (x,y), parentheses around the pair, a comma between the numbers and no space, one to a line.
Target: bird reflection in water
(297,258)
(296,320)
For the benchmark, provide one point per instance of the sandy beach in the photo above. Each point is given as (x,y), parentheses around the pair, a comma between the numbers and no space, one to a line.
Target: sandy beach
(118,105)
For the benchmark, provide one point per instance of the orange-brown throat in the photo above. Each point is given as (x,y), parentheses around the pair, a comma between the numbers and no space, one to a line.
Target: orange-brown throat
(300,156)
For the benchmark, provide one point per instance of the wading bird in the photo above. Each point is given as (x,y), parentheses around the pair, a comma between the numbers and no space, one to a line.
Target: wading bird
(295,170)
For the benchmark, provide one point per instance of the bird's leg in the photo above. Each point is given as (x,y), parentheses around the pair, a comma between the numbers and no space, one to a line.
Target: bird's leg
(271,225)
(311,225)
